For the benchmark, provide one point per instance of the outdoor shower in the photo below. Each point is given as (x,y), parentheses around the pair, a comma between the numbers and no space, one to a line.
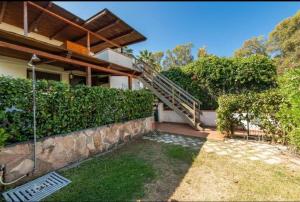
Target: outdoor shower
(34,59)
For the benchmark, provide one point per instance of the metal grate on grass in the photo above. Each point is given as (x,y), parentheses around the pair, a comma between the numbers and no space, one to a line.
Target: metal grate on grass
(37,189)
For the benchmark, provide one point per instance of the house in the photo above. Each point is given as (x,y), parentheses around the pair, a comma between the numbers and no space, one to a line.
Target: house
(78,51)
(72,50)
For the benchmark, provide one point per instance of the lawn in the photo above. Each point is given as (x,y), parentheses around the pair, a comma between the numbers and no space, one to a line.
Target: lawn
(156,171)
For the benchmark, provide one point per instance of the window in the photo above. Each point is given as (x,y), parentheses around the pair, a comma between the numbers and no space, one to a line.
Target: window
(99,80)
(44,75)
(77,80)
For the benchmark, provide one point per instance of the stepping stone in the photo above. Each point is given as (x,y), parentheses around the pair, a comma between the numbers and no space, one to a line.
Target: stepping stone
(237,156)
(272,161)
(253,158)
(222,153)
(296,161)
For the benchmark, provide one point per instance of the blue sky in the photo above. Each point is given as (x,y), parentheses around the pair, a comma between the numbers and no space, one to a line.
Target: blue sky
(220,26)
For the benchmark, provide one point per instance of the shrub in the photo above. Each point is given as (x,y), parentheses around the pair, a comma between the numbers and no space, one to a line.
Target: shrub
(210,77)
(258,108)
(62,109)
(289,114)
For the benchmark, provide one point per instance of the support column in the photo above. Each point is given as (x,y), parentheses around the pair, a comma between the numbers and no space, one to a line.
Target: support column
(130,82)
(25,19)
(89,76)
(88,43)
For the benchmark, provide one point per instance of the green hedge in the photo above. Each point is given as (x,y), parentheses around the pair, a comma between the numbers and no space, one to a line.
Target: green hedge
(276,111)
(258,108)
(210,77)
(62,109)
(289,113)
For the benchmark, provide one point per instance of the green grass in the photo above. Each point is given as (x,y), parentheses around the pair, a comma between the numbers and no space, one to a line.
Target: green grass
(111,178)
(153,171)
(180,153)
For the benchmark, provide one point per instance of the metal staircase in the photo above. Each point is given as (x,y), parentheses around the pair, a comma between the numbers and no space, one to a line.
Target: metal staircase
(183,103)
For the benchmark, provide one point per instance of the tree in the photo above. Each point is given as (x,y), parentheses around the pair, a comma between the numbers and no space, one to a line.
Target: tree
(254,46)
(210,77)
(146,56)
(157,59)
(202,52)
(284,43)
(127,51)
(152,59)
(181,55)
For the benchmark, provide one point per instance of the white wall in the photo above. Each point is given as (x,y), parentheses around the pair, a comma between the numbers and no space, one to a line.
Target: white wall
(208,117)
(136,84)
(120,82)
(18,68)
(168,115)
(115,58)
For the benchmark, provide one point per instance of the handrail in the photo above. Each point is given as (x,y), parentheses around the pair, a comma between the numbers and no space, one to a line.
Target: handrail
(160,75)
(175,108)
(188,95)
(177,98)
(185,104)
(171,82)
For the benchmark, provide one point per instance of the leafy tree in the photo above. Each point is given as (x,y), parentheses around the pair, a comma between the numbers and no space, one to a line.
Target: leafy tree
(254,46)
(146,56)
(153,59)
(284,43)
(157,59)
(210,77)
(202,52)
(181,55)
(127,51)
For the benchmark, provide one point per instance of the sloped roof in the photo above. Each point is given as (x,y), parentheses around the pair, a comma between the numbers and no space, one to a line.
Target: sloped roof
(104,23)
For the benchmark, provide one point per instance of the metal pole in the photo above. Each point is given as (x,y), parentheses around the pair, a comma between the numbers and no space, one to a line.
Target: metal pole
(34,114)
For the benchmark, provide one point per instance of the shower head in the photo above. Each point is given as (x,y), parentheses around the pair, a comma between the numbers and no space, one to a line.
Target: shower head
(34,59)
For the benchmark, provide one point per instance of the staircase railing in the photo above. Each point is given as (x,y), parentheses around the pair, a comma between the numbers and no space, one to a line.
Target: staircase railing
(180,99)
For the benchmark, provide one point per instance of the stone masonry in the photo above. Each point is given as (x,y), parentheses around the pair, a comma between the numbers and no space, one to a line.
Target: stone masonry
(58,151)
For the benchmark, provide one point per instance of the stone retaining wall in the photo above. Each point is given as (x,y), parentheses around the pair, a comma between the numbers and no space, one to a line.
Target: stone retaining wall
(58,151)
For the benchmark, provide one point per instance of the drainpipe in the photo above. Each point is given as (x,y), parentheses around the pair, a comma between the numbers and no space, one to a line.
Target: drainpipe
(34,59)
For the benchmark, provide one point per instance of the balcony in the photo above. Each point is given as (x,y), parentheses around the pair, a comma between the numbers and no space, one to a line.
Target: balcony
(117,58)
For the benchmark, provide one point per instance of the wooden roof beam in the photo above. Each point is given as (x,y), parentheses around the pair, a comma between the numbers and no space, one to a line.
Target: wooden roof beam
(3,9)
(65,26)
(100,30)
(73,24)
(36,21)
(95,46)
(60,58)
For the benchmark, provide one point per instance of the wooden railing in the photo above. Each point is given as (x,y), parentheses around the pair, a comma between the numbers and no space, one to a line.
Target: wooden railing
(180,99)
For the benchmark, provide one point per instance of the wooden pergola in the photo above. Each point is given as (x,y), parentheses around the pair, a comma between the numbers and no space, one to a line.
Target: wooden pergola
(86,31)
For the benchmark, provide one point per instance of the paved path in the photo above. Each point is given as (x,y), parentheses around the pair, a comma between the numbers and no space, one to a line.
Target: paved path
(238,149)
(187,130)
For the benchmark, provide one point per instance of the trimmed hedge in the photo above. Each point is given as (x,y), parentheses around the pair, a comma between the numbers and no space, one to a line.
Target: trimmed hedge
(210,77)
(62,108)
